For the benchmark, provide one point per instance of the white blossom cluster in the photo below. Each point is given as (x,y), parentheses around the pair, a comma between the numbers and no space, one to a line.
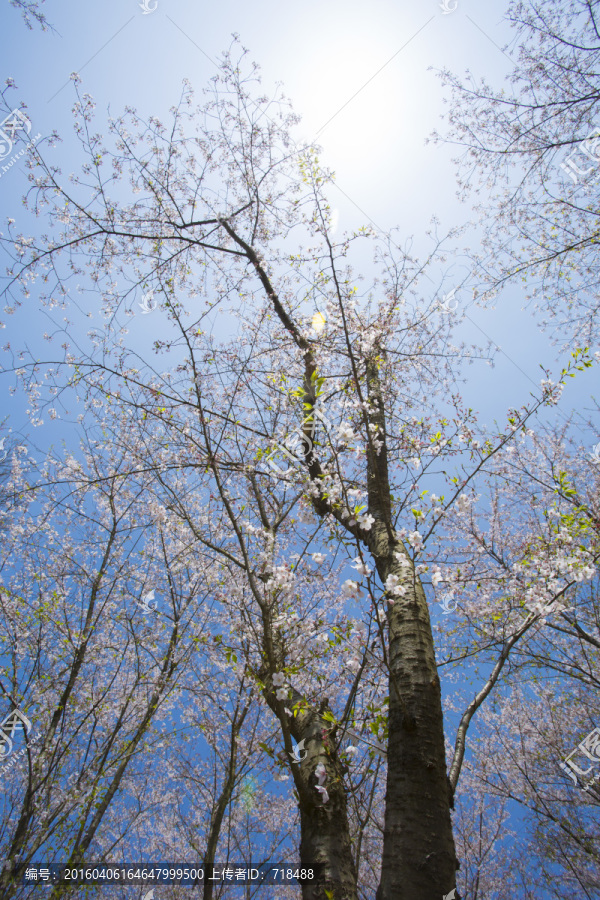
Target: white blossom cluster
(549,572)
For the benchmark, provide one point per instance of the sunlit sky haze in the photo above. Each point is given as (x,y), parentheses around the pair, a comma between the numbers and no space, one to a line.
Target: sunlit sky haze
(363,79)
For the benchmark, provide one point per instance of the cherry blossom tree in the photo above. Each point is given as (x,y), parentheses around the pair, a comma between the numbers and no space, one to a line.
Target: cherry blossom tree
(283,442)
(526,564)
(533,145)
(95,662)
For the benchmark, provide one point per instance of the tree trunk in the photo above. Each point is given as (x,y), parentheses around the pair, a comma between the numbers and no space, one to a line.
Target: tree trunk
(419,858)
(325,844)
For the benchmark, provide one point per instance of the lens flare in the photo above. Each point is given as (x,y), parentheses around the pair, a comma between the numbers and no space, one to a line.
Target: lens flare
(318,322)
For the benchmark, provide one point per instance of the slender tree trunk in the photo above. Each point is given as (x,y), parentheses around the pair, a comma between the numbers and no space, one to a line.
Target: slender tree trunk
(219,811)
(325,844)
(77,855)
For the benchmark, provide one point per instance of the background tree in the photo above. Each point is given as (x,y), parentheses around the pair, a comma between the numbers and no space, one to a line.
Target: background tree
(95,662)
(532,557)
(535,145)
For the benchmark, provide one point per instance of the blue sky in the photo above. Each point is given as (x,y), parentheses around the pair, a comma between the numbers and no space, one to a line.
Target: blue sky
(360,75)
(361,78)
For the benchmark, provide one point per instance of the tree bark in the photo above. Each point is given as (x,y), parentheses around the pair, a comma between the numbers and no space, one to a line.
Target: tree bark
(419,858)
(325,844)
